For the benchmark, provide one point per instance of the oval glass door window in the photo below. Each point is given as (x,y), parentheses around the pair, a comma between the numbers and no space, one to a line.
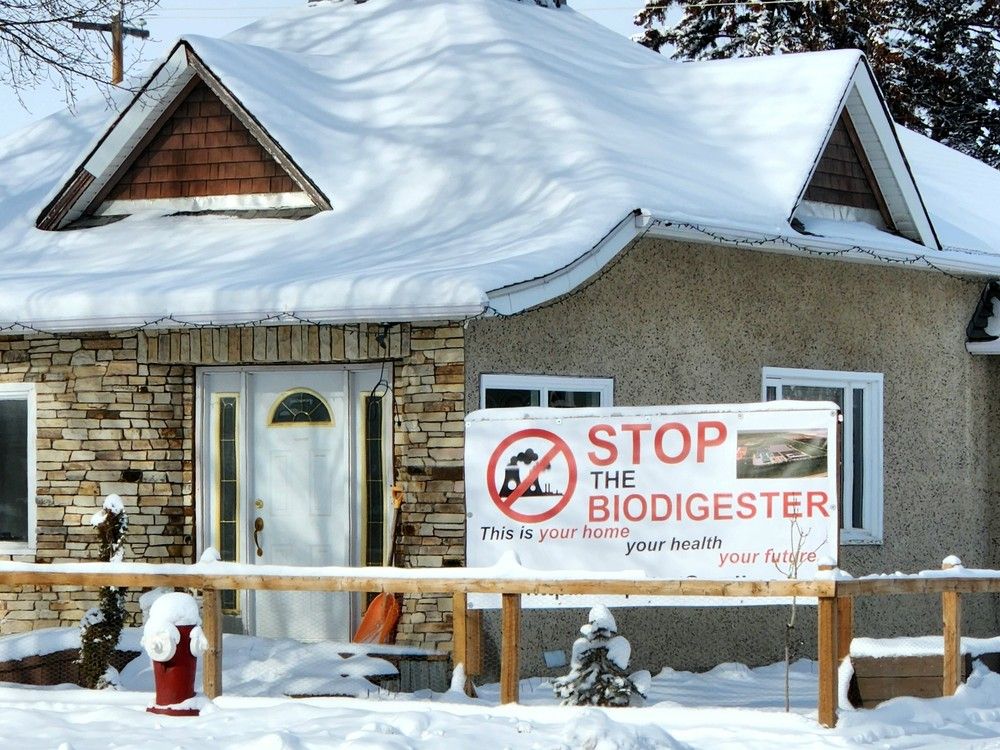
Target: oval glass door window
(301,407)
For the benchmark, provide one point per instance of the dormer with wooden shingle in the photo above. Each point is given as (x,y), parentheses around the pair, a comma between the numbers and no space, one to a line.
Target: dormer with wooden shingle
(844,178)
(185,145)
(861,174)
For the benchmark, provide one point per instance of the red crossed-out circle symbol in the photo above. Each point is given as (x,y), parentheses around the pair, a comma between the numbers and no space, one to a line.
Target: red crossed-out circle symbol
(554,447)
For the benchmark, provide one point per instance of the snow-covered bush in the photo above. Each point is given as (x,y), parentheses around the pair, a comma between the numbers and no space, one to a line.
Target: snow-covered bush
(169,612)
(598,670)
(102,625)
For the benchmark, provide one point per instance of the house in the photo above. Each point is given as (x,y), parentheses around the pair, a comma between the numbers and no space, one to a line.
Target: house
(277,280)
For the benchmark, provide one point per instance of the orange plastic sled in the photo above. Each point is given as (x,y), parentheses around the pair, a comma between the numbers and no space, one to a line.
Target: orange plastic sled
(379,622)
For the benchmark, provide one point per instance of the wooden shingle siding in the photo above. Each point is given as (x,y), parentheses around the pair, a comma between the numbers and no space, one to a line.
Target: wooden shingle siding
(276,344)
(202,150)
(842,177)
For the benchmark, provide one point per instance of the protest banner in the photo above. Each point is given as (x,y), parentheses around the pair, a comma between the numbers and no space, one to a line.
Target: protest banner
(744,491)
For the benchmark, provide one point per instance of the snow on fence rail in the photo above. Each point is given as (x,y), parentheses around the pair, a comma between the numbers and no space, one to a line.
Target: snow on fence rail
(834,590)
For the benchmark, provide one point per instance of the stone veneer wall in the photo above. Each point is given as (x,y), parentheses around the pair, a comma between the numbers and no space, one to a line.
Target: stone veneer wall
(116,414)
(106,422)
(429,389)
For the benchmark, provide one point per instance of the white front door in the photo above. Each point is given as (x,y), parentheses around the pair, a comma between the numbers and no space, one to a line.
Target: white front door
(277,488)
(299,479)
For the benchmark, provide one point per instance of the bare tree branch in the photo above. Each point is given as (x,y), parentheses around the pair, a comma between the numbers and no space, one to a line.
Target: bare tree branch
(38,43)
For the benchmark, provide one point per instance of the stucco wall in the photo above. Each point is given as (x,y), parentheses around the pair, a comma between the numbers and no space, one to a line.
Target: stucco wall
(675,323)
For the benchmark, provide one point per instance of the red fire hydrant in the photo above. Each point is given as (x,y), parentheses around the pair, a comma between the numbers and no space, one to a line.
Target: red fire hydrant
(173,639)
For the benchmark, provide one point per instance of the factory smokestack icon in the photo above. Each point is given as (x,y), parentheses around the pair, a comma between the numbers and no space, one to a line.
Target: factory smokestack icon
(512,477)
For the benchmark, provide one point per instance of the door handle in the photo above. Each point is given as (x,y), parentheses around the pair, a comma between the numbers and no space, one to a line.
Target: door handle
(258,526)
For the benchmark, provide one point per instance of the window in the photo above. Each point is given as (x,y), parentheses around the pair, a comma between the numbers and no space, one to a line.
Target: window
(301,407)
(374,482)
(859,395)
(17,467)
(498,391)
(228,488)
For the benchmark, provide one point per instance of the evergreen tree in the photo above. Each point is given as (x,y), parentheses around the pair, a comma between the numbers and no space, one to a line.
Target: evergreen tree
(938,63)
(946,60)
(101,626)
(598,675)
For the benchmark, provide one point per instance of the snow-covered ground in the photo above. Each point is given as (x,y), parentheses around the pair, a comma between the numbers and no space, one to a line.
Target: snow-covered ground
(732,706)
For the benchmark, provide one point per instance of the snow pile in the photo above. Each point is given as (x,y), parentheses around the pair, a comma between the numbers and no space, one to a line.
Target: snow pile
(252,666)
(597,730)
(280,667)
(709,711)
(731,707)
(210,555)
(147,599)
(52,640)
(923,645)
(160,635)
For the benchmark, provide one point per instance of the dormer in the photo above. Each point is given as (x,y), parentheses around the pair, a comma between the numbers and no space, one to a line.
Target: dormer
(860,173)
(185,145)
(843,185)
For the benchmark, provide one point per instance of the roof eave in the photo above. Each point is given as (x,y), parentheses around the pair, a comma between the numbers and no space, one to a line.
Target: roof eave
(515,298)
(983,347)
(791,242)
(176,320)
(525,295)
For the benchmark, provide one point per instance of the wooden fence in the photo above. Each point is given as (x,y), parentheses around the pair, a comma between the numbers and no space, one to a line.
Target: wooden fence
(834,620)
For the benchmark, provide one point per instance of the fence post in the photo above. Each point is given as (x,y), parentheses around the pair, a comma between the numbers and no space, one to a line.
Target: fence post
(826,646)
(845,626)
(951,615)
(510,620)
(459,627)
(211,622)
(473,646)
(460,635)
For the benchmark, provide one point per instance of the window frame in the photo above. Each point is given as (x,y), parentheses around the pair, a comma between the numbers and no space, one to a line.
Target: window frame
(279,402)
(26,392)
(230,606)
(605,387)
(872,480)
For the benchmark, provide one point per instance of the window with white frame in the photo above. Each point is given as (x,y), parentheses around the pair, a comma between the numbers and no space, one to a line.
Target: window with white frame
(17,467)
(859,396)
(500,391)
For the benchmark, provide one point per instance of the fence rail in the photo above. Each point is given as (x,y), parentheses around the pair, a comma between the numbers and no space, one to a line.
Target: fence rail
(834,619)
(325,579)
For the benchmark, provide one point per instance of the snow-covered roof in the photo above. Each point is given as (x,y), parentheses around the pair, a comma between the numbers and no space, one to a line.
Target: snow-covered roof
(464,147)
(964,193)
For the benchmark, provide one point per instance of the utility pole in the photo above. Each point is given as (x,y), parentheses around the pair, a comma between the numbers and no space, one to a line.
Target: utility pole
(118,30)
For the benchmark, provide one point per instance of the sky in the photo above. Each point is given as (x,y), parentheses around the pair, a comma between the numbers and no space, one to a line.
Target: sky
(216,18)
